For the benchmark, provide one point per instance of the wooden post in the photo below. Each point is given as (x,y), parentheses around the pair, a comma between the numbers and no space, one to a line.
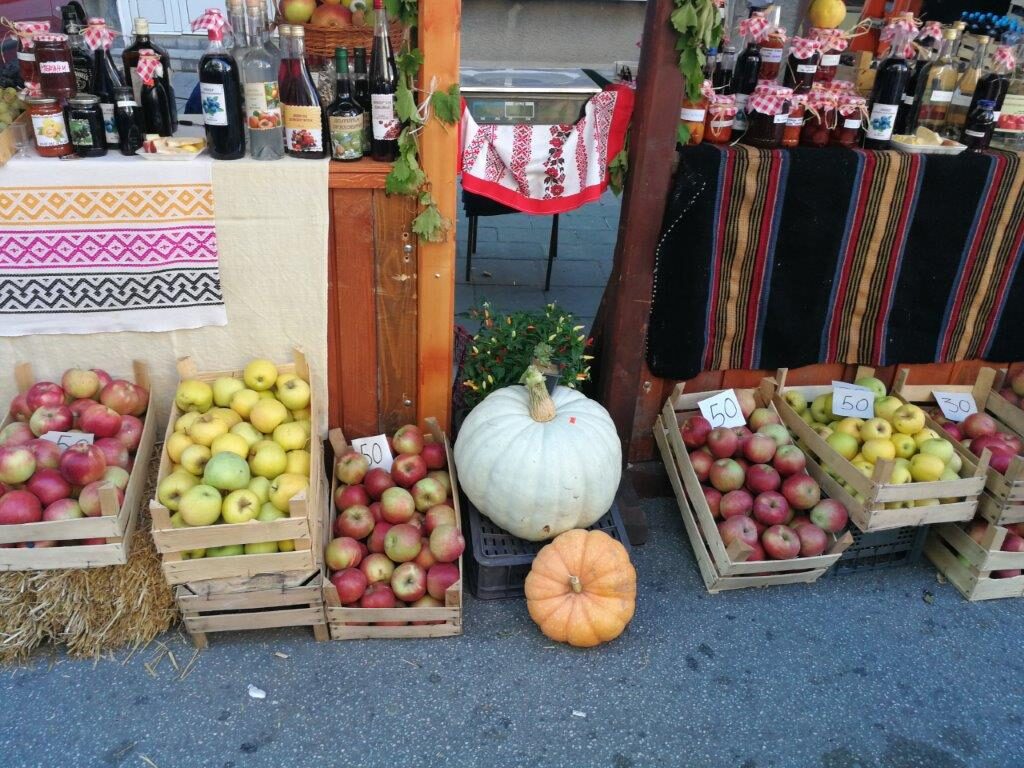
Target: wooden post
(439,35)
(626,387)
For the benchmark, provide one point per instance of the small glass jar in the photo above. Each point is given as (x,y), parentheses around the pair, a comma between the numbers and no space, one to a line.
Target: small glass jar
(767,115)
(819,119)
(51,132)
(720,117)
(802,64)
(849,127)
(85,125)
(772,49)
(692,114)
(795,120)
(56,66)
(833,43)
(25,30)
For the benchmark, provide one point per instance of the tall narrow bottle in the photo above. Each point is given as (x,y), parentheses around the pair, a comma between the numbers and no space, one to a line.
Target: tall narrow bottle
(284,64)
(936,86)
(963,95)
(345,115)
(383,84)
(240,40)
(305,124)
(361,92)
(105,76)
(262,91)
(959,27)
(987,102)
(1011,116)
(154,101)
(721,79)
(220,88)
(908,103)
(744,80)
(81,58)
(890,85)
(130,59)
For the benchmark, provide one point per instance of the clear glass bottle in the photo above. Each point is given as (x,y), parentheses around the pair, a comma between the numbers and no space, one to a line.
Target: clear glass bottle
(1011,117)
(262,90)
(959,27)
(240,40)
(956,115)
(344,115)
(937,83)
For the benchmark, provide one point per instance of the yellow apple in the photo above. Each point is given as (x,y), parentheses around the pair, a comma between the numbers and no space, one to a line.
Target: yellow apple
(796,400)
(206,429)
(177,522)
(224,389)
(926,502)
(878,448)
(229,417)
(866,468)
(193,554)
(194,458)
(266,415)
(261,487)
(177,443)
(292,436)
(948,475)
(231,444)
(268,394)
(844,444)
(821,408)
(850,426)
(200,505)
(193,395)
(902,462)
(298,463)
(261,548)
(908,419)
(294,394)
(920,438)
(823,431)
(248,432)
(887,406)
(943,449)
(284,487)
(905,445)
(900,475)
(173,487)
(243,401)
(302,415)
(284,378)
(260,375)
(876,429)
(288,545)
(185,421)
(176,468)
(925,468)
(240,506)
(807,417)
(267,459)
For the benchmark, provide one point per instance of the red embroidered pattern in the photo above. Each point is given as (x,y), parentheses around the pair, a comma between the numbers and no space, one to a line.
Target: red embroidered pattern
(484,135)
(522,150)
(581,151)
(554,165)
(603,113)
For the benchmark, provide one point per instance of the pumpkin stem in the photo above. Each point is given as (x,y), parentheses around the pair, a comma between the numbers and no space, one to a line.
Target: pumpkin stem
(574,582)
(542,407)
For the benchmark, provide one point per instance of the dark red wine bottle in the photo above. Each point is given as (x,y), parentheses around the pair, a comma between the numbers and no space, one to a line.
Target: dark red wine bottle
(383,84)
(887,95)
(220,90)
(305,120)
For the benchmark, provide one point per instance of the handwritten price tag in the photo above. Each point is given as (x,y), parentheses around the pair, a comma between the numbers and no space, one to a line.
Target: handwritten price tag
(956,406)
(66,439)
(376,450)
(851,400)
(722,410)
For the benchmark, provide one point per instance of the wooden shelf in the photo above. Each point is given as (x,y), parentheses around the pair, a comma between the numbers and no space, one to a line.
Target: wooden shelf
(362,174)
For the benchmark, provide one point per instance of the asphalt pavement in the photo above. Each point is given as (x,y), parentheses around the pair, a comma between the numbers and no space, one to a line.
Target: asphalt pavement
(878,670)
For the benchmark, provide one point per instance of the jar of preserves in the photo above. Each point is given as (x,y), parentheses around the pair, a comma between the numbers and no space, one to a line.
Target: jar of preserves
(692,113)
(802,64)
(773,44)
(851,114)
(833,42)
(26,32)
(51,133)
(795,120)
(85,126)
(721,114)
(767,115)
(819,119)
(56,66)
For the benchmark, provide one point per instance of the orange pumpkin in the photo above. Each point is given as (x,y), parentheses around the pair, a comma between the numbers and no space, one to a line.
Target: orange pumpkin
(581,588)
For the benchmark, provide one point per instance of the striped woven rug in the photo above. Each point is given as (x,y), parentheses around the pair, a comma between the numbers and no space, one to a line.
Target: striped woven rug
(788,258)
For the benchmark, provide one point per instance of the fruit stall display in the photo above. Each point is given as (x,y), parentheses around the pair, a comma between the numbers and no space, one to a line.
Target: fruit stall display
(982,560)
(753,510)
(239,485)
(396,557)
(70,485)
(891,470)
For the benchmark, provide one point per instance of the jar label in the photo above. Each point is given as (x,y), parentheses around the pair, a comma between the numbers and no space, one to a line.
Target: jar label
(263,106)
(26,56)
(382,114)
(996,116)
(794,122)
(718,125)
(830,60)
(127,104)
(692,115)
(109,126)
(50,130)
(303,129)
(941,97)
(881,123)
(807,69)
(975,134)
(962,100)
(771,55)
(81,133)
(346,137)
(215,106)
(781,118)
(851,122)
(54,67)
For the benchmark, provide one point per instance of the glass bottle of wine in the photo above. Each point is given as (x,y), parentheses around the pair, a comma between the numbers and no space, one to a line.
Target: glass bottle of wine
(305,126)
(890,84)
(105,76)
(383,84)
(130,59)
(345,115)
(220,89)
(154,99)
(989,95)
(262,90)
(361,93)
(939,82)
(963,95)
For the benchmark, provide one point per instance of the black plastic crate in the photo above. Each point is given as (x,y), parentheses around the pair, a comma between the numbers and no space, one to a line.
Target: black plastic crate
(498,562)
(881,550)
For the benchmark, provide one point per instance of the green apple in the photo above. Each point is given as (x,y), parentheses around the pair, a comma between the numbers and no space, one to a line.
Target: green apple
(268,394)
(955,463)
(206,429)
(229,550)
(302,414)
(243,400)
(177,443)
(267,459)
(900,475)
(796,400)
(248,432)
(177,522)
(193,395)
(229,443)
(267,414)
(261,487)
(821,408)
(240,506)
(173,487)
(298,463)
(194,458)
(807,417)
(200,505)
(260,375)
(870,382)
(224,389)
(943,449)
(294,394)
(261,548)
(887,406)
(845,445)
(284,487)
(229,417)
(269,512)
(227,472)
(193,554)
(292,436)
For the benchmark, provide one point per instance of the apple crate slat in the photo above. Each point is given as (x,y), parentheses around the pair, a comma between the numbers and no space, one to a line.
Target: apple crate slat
(1003,499)
(269,601)
(364,623)
(115,524)
(968,564)
(870,512)
(304,525)
(724,567)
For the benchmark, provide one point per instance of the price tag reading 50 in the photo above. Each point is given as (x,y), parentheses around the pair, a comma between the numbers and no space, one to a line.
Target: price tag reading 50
(723,410)
(851,400)
(956,406)
(376,450)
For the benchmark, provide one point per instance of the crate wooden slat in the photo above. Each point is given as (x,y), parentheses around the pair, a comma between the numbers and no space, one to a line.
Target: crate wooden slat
(116,524)
(947,544)
(360,623)
(304,525)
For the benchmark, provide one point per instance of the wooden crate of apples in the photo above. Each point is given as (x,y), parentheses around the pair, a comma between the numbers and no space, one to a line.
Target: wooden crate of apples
(892,470)
(239,482)
(982,560)
(396,557)
(754,515)
(70,484)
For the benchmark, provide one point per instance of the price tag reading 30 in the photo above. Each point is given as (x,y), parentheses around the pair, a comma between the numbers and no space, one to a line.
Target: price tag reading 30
(376,450)
(851,400)
(956,406)
(723,410)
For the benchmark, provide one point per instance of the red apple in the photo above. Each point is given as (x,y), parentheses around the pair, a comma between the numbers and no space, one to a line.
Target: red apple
(442,476)
(714,499)
(442,514)
(789,460)
(447,543)
(813,540)
(351,583)
(64,509)
(141,400)
(829,515)
(1000,461)
(44,394)
(762,477)
(78,407)
(695,431)
(342,553)
(726,475)
(781,542)
(346,496)
(47,454)
(130,433)
(799,520)
(378,595)
(978,530)
(408,439)
(351,467)
(376,511)
(736,503)
(376,541)
(1010,396)
(744,465)
(748,404)
(115,454)
(757,554)
(82,464)
(1015,443)
(408,469)
(117,477)
(100,421)
(119,395)
(47,419)
(978,425)
(738,529)
(425,559)
(722,442)
(376,482)
(48,485)
(801,491)
(433,454)
(701,462)
(428,493)
(409,582)
(776,432)
(19,409)
(89,499)
(1013,543)
(759,449)
(771,508)
(16,433)
(992,442)
(743,433)
(955,433)
(17,463)
(427,602)
(17,507)
(762,416)
(397,505)
(1007,574)
(355,522)
(402,543)
(36,544)
(440,577)
(104,377)
(377,568)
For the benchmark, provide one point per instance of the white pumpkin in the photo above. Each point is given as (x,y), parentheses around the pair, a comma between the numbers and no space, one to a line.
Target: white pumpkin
(538,465)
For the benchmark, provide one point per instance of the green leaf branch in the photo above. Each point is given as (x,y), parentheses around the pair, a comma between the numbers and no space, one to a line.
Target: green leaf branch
(699,25)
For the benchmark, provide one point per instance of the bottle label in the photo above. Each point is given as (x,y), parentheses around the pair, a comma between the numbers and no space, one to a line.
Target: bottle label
(962,100)
(303,129)
(54,67)
(941,97)
(82,76)
(807,69)
(26,56)
(691,115)
(771,55)
(908,98)
(830,60)
(127,104)
(81,133)
(975,134)
(740,121)
(882,118)
(782,118)
(50,130)
(346,137)
(851,122)
(215,107)
(263,106)
(109,126)
(385,125)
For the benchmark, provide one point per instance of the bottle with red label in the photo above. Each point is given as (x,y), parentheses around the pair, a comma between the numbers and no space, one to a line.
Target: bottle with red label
(383,77)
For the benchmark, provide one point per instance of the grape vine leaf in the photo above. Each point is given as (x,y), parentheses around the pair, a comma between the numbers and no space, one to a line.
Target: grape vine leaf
(430,225)
(447,104)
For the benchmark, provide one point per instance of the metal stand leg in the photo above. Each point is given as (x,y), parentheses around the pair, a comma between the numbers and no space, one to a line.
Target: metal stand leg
(552,251)
(471,245)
